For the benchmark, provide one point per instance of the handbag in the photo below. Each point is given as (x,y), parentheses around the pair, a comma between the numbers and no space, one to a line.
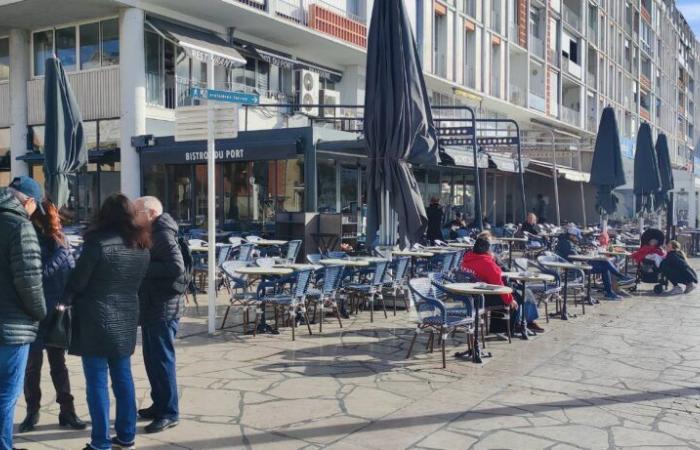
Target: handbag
(58,327)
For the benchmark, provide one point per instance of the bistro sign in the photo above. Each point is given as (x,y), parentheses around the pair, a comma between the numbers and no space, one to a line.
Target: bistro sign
(232,154)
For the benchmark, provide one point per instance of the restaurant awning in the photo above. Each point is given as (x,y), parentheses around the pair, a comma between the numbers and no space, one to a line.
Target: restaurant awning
(546,168)
(198,44)
(505,163)
(463,157)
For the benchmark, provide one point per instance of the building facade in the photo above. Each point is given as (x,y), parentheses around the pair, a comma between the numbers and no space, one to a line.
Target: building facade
(552,65)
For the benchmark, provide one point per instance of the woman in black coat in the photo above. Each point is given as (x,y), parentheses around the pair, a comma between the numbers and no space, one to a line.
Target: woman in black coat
(677,270)
(104,288)
(57,264)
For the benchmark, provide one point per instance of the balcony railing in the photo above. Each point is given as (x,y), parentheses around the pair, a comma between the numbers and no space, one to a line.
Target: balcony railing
(592,34)
(326,18)
(536,101)
(591,80)
(591,123)
(470,76)
(4,104)
(257,4)
(496,21)
(572,68)
(516,95)
(537,46)
(570,115)
(470,7)
(571,17)
(440,65)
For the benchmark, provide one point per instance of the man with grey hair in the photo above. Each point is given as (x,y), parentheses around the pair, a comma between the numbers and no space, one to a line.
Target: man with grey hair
(22,303)
(160,299)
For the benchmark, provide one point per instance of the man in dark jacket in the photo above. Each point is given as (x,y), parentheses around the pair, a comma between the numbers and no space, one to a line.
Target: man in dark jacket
(161,296)
(22,303)
(436,217)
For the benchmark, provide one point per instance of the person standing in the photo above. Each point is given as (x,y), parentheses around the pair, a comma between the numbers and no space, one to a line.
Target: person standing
(104,289)
(57,264)
(435,220)
(160,297)
(22,303)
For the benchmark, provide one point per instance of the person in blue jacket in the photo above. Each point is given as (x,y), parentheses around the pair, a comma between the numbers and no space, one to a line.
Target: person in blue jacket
(57,264)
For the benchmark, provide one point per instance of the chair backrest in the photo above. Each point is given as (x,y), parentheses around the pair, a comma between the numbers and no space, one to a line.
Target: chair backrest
(197,243)
(379,271)
(245,252)
(235,240)
(331,275)
(423,300)
(302,283)
(457,259)
(440,243)
(314,258)
(401,268)
(521,264)
(224,253)
(446,263)
(228,268)
(293,248)
(337,255)
(265,262)
(253,239)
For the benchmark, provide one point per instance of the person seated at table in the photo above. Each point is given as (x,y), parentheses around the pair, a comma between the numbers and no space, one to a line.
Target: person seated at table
(676,269)
(533,230)
(456,224)
(567,246)
(482,265)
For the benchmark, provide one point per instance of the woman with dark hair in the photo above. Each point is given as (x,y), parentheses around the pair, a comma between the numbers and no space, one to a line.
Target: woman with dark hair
(57,264)
(105,286)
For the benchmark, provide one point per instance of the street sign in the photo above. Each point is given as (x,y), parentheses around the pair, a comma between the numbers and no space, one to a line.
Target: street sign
(225,96)
(192,122)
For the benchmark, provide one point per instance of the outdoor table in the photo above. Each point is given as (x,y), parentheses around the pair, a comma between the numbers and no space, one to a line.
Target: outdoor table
(344,262)
(270,242)
(460,245)
(566,267)
(414,254)
(261,272)
(203,248)
(589,258)
(624,254)
(371,259)
(524,278)
(479,289)
(295,267)
(510,241)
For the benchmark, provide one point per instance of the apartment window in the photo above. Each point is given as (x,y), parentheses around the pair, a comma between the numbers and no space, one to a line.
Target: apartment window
(4,59)
(470,58)
(440,43)
(99,46)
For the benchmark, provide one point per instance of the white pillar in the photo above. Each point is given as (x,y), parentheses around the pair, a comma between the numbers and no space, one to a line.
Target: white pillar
(19,75)
(132,76)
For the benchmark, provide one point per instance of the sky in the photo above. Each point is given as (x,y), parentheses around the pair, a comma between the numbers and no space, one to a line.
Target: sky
(691,12)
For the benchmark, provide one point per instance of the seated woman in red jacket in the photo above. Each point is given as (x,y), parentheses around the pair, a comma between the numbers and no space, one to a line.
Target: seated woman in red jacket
(480,263)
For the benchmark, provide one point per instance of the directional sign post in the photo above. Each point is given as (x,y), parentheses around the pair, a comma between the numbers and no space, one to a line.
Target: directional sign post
(212,95)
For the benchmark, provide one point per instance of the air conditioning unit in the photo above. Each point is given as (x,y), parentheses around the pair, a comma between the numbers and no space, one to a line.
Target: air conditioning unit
(307,86)
(330,98)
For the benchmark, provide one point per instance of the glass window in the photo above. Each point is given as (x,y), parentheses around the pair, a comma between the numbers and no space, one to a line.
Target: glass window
(89,46)
(110,133)
(110,42)
(154,78)
(348,189)
(36,135)
(237,195)
(326,186)
(4,59)
(43,49)
(65,48)
(179,201)
(154,181)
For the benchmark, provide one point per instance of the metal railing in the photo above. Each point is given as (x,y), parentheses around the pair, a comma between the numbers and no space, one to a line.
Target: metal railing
(516,95)
(537,46)
(470,76)
(440,65)
(536,101)
(591,79)
(570,115)
(257,4)
(571,17)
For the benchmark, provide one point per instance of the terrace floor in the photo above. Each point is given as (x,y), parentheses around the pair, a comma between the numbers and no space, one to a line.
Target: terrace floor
(625,375)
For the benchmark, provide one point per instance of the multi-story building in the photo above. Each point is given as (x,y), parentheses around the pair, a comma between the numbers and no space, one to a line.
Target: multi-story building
(549,64)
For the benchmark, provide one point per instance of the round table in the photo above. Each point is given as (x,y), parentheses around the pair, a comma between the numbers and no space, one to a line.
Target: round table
(510,241)
(262,271)
(460,245)
(371,259)
(566,266)
(269,242)
(524,278)
(297,267)
(204,248)
(412,253)
(344,262)
(480,290)
(623,254)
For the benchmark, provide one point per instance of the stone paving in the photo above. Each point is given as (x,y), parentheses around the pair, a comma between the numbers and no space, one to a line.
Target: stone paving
(625,375)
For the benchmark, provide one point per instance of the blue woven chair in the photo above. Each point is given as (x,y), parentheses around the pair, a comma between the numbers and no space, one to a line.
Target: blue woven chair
(239,296)
(432,315)
(576,283)
(245,252)
(396,281)
(293,249)
(327,294)
(293,301)
(368,291)
(337,255)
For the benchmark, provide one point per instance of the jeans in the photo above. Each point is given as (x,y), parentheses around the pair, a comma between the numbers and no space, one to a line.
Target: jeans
(59,377)
(96,377)
(159,359)
(605,268)
(13,362)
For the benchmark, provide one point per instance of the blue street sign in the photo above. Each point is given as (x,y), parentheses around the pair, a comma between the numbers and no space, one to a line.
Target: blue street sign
(225,96)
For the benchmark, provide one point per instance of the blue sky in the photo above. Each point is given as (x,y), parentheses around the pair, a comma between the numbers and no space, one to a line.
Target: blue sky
(691,12)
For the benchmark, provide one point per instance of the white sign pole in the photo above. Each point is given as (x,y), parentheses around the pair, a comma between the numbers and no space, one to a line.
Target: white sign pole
(211,204)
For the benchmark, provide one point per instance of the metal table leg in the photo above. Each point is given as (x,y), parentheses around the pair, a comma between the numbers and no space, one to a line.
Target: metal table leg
(564,315)
(523,324)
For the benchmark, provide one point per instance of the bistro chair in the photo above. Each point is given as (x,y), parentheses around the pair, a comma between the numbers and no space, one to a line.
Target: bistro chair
(292,302)
(245,252)
(337,255)
(327,294)
(369,290)
(252,239)
(432,315)
(293,249)
(576,278)
(236,241)
(396,281)
(239,296)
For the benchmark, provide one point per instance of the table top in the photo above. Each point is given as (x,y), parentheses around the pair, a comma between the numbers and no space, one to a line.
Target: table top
(614,253)
(441,249)
(205,248)
(460,245)
(588,257)
(566,265)
(477,288)
(512,239)
(266,242)
(264,271)
(528,276)
(370,259)
(296,267)
(414,253)
(345,262)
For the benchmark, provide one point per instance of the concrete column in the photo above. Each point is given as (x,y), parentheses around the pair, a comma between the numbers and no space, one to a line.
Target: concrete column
(132,82)
(19,75)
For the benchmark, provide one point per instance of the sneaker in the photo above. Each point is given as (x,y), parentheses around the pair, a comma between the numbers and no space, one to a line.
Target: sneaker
(117,444)
(612,296)
(677,290)
(690,288)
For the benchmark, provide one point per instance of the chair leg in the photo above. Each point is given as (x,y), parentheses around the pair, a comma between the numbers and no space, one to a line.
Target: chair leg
(321,316)
(257,322)
(308,324)
(442,338)
(223,322)
(294,323)
(546,310)
(381,297)
(510,332)
(410,347)
(371,308)
(395,293)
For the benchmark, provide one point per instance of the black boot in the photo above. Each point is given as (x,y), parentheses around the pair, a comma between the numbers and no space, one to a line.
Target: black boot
(29,422)
(71,420)
(147,413)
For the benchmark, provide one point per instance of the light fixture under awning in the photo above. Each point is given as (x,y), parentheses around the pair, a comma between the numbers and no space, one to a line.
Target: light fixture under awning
(198,44)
